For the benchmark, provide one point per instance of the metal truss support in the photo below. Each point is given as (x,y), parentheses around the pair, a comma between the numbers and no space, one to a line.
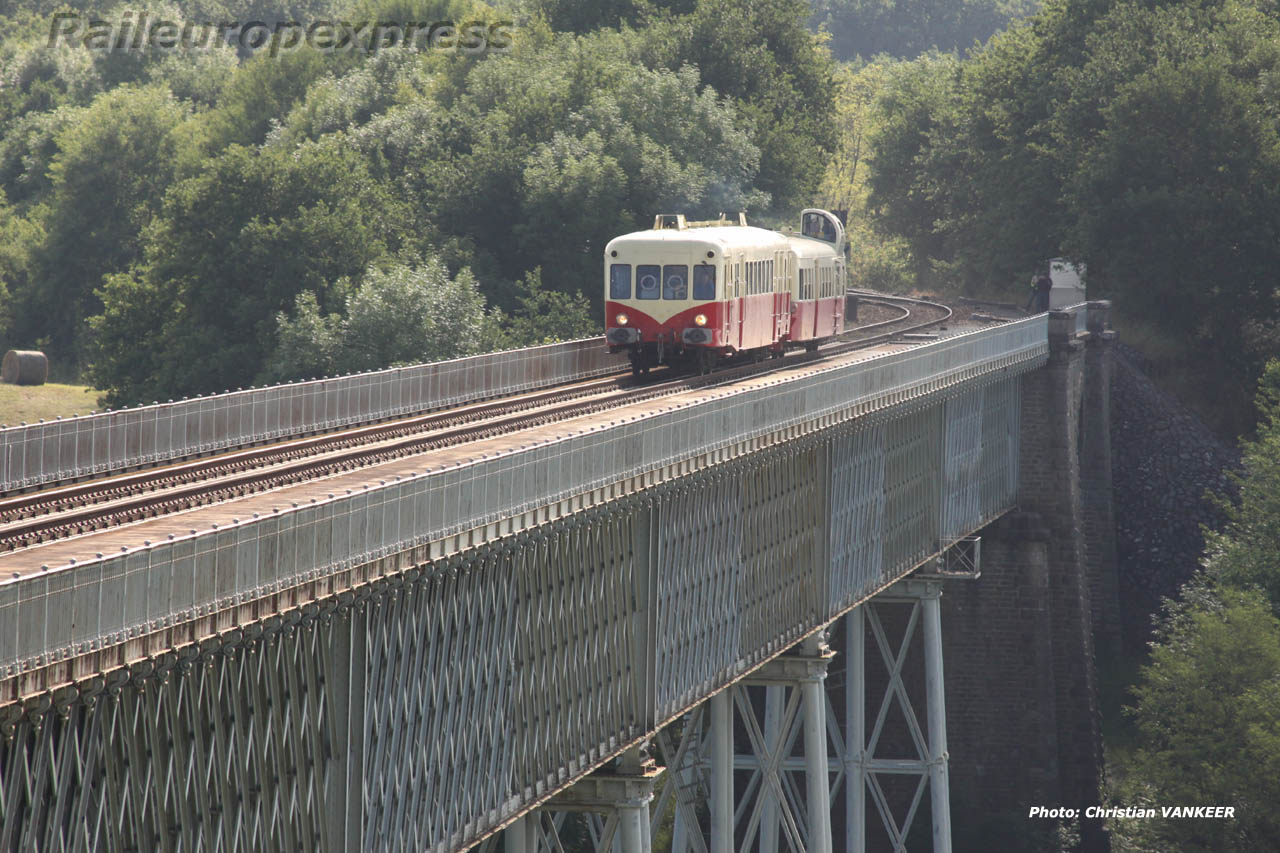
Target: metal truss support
(521,836)
(939,784)
(855,754)
(774,706)
(776,798)
(722,772)
(621,793)
(817,773)
(754,795)
(863,767)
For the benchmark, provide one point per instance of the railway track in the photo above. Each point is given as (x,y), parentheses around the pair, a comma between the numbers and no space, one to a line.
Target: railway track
(79,508)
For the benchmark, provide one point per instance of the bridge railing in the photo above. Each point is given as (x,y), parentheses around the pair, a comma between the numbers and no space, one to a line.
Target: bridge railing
(63,611)
(72,448)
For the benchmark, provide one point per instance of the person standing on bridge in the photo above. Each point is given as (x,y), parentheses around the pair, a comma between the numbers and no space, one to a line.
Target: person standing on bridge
(1039,298)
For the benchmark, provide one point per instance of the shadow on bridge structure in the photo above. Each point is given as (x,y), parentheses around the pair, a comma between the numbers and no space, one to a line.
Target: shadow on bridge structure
(714,624)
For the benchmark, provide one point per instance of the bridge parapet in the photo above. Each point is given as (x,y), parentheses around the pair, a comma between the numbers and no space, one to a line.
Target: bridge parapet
(70,448)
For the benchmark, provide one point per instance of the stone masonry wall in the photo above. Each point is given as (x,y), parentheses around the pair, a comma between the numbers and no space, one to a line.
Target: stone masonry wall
(1164,460)
(1021,686)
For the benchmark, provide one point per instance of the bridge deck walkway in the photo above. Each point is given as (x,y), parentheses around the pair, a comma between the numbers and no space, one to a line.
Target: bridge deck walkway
(221,515)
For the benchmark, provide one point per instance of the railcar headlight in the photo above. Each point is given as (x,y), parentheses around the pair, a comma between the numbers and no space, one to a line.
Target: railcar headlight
(622,319)
(700,320)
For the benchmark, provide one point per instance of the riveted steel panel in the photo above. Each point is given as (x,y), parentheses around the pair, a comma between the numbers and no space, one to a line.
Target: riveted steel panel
(857,513)
(912,486)
(961,464)
(698,543)
(525,655)
(1001,409)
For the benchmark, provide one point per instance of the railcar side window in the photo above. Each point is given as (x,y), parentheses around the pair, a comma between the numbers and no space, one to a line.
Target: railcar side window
(675,281)
(620,281)
(647,276)
(704,281)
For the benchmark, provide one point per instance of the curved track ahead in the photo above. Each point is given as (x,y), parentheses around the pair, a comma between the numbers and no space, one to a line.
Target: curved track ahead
(61,512)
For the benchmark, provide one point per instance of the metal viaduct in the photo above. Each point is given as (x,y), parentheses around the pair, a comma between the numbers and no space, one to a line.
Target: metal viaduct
(593,634)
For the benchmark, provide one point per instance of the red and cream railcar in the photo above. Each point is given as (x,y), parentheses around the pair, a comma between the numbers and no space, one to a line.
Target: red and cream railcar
(818,287)
(694,293)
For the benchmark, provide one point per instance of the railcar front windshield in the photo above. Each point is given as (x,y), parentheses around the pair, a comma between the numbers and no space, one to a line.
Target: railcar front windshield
(647,276)
(675,281)
(704,282)
(620,281)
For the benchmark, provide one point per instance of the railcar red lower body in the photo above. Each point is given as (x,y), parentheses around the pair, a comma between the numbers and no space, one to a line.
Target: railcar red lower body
(756,323)
(816,319)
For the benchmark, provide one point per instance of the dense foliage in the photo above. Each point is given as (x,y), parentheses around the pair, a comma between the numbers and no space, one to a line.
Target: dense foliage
(174,218)
(1139,137)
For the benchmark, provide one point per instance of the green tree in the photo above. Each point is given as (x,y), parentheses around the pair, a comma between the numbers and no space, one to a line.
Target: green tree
(876,261)
(1139,138)
(1244,552)
(260,93)
(401,315)
(762,56)
(406,315)
(547,316)
(231,248)
(583,16)
(27,149)
(917,111)
(865,28)
(1178,203)
(308,343)
(106,183)
(1208,719)
(540,156)
(17,236)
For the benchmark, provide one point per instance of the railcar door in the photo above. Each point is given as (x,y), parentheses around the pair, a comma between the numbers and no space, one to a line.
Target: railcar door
(821,292)
(838,293)
(781,304)
(735,320)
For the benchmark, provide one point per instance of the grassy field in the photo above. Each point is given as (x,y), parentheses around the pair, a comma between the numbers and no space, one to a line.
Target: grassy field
(20,403)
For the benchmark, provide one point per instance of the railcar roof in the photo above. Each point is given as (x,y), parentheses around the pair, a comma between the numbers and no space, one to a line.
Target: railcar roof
(728,237)
(808,247)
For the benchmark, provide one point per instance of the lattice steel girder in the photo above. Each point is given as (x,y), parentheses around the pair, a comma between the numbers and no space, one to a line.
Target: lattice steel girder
(244,744)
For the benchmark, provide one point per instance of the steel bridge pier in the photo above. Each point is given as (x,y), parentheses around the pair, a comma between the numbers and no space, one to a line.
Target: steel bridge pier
(771,791)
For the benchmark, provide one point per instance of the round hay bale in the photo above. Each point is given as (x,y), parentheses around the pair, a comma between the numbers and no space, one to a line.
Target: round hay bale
(24,367)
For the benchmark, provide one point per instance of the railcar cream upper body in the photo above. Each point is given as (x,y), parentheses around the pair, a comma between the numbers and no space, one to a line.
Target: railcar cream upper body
(663,273)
